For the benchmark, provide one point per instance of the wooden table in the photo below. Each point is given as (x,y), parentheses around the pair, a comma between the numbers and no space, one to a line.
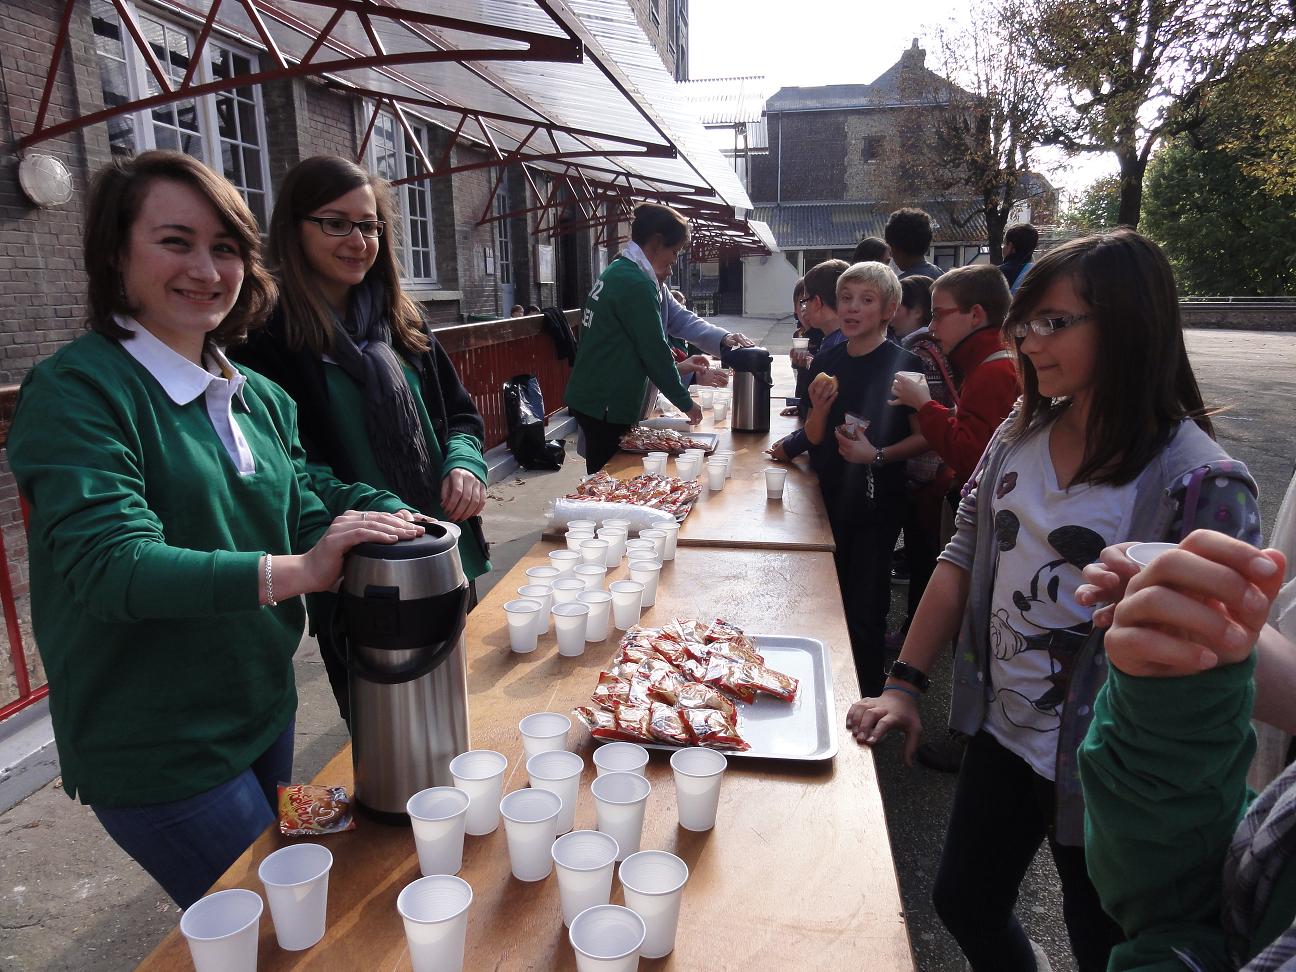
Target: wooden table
(797,873)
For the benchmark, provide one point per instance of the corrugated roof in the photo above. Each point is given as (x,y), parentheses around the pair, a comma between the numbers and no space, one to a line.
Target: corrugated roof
(726,101)
(799,226)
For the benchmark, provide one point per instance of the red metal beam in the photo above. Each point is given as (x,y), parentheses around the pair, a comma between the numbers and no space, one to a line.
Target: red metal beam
(56,57)
(146,52)
(264,33)
(200,43)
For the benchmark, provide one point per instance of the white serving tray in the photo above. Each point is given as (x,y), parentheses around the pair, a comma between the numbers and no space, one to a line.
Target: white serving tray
(804,729)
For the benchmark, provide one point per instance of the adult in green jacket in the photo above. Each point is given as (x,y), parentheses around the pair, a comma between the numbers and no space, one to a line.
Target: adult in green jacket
(174,525)
(622,343)
(1197,874)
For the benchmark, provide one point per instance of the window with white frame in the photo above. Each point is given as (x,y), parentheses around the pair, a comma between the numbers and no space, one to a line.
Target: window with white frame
(393,156)
(226,130)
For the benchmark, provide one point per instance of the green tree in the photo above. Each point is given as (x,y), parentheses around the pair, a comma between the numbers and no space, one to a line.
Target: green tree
(1097,208)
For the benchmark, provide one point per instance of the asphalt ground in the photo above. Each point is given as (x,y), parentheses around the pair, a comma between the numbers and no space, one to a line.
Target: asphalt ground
(71,900)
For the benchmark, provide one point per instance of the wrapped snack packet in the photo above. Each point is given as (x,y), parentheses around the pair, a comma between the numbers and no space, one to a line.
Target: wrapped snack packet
(711,728)
(307,810)
(668,725)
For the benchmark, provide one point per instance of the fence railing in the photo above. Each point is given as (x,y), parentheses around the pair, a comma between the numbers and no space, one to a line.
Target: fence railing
(19,666)
(489,353)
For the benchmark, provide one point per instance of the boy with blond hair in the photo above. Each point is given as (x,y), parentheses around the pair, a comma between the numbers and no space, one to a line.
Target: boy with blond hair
(859,445)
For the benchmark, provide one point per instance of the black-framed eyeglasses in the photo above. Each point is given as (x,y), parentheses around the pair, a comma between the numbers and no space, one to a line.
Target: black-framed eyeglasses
(804,301)
(1044,326)
(337,226)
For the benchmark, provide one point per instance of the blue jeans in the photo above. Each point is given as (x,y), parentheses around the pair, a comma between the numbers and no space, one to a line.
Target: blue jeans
(186,845)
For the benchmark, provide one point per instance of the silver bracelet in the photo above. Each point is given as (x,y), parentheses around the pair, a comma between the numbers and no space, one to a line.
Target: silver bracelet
(269,577)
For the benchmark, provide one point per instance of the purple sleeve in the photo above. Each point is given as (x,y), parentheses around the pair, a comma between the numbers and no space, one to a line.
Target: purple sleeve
(1220,496)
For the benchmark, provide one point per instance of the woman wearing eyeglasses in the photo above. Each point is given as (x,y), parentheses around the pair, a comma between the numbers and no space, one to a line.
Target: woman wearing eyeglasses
(378,398)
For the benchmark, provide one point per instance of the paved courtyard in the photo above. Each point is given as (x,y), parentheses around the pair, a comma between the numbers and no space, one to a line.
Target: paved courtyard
(70,900)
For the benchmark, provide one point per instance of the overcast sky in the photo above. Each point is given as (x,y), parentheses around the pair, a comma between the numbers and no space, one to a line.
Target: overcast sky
(814,42)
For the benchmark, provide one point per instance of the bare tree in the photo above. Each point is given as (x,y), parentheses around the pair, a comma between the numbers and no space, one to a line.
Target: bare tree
(1128,73)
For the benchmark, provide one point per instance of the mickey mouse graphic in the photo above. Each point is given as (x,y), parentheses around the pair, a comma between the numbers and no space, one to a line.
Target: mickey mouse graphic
(1040,622)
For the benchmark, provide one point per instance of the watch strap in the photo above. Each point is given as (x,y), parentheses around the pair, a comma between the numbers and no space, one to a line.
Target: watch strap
(907,673)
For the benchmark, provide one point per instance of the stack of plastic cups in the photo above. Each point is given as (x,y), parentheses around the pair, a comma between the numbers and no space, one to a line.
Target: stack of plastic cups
(616,538)
(593,575)
(774,480)
(563,561)
(627,603)
(575,538)
(567,589)
(570,621)
(653,882)
(620,800)
(671,528)
(560,772)
(531,824)
(584,860)
(658,537)
(716,474)
(544,732)
(647,573)
(435,912)
(523,625)
(437,817)
(480,774)
(544,594)
(620,757)
(594,551)
(698,774)
(598,623)
(606,938)
(222,931)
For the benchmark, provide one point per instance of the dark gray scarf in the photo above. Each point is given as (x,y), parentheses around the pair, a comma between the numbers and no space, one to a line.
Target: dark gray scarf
(391,416)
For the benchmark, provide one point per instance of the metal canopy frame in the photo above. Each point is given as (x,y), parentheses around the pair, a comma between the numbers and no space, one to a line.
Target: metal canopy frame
(524,81)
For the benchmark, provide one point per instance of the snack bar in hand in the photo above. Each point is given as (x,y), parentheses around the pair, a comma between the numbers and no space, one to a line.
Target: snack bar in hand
(677,685)
(640,439)
(666,493)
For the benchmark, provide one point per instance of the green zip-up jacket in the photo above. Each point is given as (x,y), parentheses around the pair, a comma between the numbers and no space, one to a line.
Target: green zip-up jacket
(1164,773)
(623,347)
(166,676)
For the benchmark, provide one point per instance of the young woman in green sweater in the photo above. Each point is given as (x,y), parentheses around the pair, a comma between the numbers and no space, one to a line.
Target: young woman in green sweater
(173,528)
(379,399)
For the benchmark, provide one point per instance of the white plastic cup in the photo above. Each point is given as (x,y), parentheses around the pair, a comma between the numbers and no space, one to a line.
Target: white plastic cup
(544,594)
(616,538)
(437,817)
(912,375)
(620,800)
(589,525)
(592,575)
(523,623)
(654,465)
(530,824)
(647,573)
(619,522)
(800,344)
(671,530)
(594,551)
(558,771)
(543,732)
(699,453)
(563,561)
(606,938)
(620,757)
(435,912)
(222,931)
(716,474)
(727,456)
(480,774)
(640,543)
(774,480)
(706,395)
(653,882)
(698,774)
(570,620)
(575,538)
(545,574)
(599,621)
(627,603)
(686,468)
(296,886)
(1144,553)
(567,589)
(720,410)
(584,860)
(658,538)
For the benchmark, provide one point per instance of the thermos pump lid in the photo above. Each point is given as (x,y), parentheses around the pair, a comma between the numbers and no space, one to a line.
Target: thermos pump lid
(438,538)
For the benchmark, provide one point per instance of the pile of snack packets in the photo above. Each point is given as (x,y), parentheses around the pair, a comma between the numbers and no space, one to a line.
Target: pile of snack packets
(640,439)
(678,685)
(674,496)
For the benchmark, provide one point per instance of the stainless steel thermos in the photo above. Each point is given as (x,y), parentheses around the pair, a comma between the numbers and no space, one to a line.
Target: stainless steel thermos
(751,388)
(402,608)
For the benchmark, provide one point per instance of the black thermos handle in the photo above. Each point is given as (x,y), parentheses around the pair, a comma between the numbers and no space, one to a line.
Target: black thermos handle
(388,625)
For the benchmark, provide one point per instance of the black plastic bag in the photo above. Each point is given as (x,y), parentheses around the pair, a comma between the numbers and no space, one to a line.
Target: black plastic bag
(525,412)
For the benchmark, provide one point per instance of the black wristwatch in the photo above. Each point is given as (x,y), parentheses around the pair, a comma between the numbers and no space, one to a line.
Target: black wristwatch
(879,457)
(907,673)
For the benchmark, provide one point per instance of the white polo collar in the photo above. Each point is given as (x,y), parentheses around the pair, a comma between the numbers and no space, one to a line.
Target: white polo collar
(635,254)
(180,378)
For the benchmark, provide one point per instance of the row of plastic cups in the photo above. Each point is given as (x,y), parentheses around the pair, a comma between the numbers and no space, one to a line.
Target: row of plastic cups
(579,616)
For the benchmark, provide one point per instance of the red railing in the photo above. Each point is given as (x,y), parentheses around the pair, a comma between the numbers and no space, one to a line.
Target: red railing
(488,354)
(17,650)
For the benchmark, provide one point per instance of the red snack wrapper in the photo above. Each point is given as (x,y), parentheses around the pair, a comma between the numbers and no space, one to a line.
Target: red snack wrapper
(610,690)
(307,810)
(599,722)
(771,682)
(726,673)
(668,725)
(634,722)
(695,695)
(711,728)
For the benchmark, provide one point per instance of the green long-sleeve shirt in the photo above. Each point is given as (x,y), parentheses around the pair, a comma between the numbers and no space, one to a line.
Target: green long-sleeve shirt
(1164,773)
(622,347)
(166,675)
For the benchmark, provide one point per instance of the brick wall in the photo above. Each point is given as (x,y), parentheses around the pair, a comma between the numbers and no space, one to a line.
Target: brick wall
(470,192)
